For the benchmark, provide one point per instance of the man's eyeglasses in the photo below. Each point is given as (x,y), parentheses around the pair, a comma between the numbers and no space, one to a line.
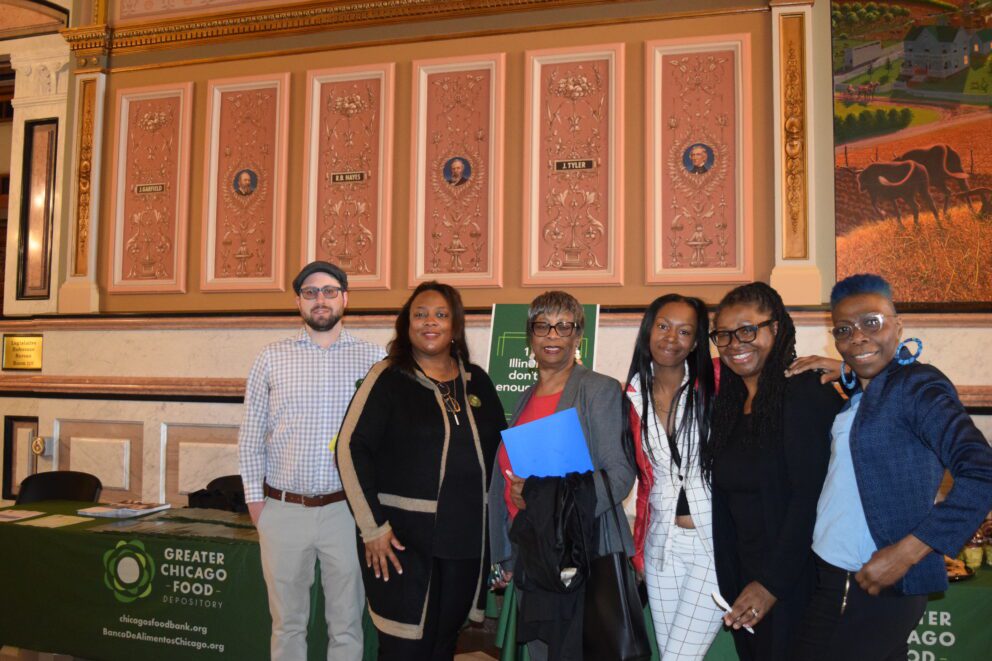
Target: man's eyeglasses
(563,328)
(744,334)
(329,291)
(869,324)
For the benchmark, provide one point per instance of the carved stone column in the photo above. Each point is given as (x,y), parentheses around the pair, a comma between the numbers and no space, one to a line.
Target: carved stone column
(800,252)
(89,40)
(41,78)
(79,292)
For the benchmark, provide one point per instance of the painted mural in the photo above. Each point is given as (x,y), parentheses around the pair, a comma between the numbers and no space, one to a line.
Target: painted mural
(913,146)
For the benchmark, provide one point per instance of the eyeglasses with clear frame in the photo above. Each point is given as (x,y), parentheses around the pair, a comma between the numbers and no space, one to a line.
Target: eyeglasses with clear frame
(744,334)
(330,292)
(869,324)
(543,328)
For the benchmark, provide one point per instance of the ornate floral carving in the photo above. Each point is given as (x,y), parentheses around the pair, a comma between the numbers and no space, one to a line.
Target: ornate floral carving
(39,77)
(245,178)
(457,167)
(698,158)
(84,166)
(575,148)
(351,112)
(166,29)
(795,220)
(149,202)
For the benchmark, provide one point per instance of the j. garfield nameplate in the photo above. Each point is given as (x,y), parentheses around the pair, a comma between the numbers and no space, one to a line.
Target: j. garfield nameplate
(22,352)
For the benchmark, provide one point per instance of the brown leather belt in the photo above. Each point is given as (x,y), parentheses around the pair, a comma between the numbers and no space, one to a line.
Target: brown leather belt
(307,501)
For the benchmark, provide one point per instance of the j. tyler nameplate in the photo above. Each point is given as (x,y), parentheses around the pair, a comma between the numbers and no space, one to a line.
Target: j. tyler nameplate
(22,352)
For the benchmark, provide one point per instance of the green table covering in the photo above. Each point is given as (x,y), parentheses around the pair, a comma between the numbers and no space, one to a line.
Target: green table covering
(120,594)
(957,626)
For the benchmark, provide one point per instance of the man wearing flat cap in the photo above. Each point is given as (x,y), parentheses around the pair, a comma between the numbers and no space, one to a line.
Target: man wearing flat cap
(297,394)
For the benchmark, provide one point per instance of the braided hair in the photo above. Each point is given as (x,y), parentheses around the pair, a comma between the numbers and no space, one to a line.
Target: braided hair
(766,408)
(699,384)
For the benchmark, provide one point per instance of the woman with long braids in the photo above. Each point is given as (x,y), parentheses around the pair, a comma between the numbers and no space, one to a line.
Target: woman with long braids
(670,388)
(766,456)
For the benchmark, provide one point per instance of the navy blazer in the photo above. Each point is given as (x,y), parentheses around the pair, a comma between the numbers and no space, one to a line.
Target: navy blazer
(909,427)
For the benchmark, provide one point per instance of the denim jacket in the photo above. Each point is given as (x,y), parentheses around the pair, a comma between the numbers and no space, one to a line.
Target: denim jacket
(910,426)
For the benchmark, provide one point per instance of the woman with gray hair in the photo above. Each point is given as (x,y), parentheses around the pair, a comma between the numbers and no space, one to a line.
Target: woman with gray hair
(555,323)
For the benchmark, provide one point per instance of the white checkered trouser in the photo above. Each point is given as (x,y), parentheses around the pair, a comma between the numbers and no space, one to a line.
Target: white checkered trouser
(685,617)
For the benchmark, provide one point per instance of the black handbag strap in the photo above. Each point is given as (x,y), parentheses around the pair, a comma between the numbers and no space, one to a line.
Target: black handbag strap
(613,505)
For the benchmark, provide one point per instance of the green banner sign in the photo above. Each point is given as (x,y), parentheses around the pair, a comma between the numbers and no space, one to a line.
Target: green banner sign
(510,366)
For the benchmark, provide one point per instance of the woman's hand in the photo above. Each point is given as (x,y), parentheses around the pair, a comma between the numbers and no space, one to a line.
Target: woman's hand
(379,553)
(828,367)
(501,577)
(516,490)
(751,606)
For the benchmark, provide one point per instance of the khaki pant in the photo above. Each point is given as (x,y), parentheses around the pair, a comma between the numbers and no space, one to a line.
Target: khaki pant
(292,538)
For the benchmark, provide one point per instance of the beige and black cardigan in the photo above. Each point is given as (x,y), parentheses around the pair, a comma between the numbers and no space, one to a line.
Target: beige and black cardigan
(391,455)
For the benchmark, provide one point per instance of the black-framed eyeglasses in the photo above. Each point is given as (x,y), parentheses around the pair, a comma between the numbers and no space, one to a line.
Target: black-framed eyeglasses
(869,324)
(563,328)
(330,292)
(744,334)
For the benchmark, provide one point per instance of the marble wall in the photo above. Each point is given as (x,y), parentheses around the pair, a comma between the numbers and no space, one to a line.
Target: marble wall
(162,450)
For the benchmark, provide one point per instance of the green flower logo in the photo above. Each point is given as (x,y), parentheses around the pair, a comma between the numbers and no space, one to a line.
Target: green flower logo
(128,571)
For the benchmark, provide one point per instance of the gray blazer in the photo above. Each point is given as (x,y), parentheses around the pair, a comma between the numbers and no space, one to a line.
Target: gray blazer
(597,399)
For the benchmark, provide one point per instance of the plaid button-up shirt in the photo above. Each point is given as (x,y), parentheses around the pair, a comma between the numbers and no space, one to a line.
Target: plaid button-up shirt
(295,400)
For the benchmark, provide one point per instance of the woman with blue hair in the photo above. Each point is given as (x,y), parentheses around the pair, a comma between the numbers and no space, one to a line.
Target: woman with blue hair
(878,537)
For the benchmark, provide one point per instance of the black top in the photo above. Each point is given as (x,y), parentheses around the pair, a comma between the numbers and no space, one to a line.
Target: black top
(458,527)
(737,473)
(782,480)
(391,451)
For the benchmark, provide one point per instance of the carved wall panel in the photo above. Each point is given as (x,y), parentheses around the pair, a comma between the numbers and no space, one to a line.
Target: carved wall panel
(795,175)
(245,184)
(698,161)
(573,216)
(84,178)
(348,172)
(457,171)
(150,200)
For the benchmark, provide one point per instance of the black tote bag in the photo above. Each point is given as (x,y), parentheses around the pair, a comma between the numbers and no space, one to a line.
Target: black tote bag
(613,623)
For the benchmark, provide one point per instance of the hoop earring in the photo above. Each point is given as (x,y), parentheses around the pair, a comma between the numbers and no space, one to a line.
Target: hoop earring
(903,356)
(847,379)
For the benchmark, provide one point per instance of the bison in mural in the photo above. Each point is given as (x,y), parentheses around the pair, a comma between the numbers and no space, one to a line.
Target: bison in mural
(898,180)
(943,165)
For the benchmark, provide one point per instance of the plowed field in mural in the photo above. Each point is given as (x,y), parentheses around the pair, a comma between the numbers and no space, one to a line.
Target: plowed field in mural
(913,147)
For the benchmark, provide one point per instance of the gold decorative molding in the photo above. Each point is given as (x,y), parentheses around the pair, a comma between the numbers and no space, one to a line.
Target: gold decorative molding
(128,386)
(314,17)
(84,167)
(327,15)
(795,175)
(90,46)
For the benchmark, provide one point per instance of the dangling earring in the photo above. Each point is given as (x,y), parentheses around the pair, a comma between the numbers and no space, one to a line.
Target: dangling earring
(903,356)
(578,355)
(847,379)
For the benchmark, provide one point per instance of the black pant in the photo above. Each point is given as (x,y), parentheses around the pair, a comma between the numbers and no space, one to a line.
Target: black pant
(869,629)
(449,601)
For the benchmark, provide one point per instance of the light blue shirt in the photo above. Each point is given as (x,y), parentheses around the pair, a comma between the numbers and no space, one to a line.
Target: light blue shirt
(841,536)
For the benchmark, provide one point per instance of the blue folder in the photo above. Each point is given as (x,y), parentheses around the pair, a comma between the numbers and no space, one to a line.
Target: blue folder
(550,446)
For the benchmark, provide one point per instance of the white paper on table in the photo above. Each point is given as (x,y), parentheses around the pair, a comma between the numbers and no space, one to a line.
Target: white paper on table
(17,515)
(54,521)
